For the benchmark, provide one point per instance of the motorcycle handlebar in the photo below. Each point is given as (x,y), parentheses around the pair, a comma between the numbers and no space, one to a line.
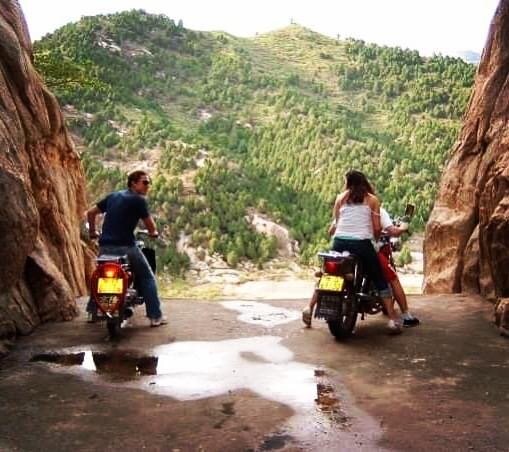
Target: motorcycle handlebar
(145,233)
(139,233)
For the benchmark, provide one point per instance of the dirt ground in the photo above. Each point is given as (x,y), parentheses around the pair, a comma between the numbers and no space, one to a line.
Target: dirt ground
(246,376)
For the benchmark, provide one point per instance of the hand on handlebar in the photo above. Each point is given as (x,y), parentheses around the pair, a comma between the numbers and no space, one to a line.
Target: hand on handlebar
(403,226)
(145,232)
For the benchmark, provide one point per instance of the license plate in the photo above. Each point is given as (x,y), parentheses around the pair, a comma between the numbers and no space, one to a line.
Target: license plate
(110,285)
(333,283)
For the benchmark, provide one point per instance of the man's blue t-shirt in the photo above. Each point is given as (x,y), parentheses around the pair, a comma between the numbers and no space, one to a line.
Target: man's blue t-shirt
(123,210)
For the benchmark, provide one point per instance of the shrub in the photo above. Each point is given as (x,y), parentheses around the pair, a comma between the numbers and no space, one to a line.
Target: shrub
(404,257)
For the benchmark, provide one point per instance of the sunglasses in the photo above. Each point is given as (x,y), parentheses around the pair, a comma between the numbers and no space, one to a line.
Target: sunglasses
(145,182)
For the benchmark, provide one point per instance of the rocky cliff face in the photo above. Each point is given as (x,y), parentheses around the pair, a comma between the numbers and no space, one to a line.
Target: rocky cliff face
(466,244)
(42,191)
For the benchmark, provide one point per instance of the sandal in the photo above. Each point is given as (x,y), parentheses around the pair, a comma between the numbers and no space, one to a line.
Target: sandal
(306,317)
(394,327)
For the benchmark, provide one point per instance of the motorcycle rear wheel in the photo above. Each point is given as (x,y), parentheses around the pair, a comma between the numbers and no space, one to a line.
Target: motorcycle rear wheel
(343,327)
(113,326)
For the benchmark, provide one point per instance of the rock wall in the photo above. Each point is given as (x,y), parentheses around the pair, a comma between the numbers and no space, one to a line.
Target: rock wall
(502,316)
(466,247)
(42,188)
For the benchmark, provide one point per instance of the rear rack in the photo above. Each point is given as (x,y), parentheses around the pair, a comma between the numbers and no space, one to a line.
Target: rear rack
(334,255)
(103,258)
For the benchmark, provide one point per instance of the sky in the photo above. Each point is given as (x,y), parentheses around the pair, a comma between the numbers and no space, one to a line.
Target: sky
(429,26)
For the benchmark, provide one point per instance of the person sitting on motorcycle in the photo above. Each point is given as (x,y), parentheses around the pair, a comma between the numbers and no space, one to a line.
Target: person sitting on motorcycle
(123,209)
(389,228)
(356,223)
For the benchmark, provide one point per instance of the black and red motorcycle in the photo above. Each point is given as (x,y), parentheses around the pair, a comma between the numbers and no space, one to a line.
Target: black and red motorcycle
(344,291)
(113,287)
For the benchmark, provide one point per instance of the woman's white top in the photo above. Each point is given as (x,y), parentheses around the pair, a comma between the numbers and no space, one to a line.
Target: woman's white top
(354,222)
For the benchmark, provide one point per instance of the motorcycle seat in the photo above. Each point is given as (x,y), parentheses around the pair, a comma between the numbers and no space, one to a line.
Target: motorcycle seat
(112,258)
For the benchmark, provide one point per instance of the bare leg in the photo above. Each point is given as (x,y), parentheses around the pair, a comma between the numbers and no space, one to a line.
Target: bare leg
(313,301)
(307,313)
(389,306)
(399,295)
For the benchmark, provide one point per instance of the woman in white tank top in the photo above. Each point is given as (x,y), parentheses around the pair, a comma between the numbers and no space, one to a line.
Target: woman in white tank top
(356,223)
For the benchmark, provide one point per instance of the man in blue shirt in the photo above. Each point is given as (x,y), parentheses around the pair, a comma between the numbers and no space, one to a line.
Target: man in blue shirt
(123,209)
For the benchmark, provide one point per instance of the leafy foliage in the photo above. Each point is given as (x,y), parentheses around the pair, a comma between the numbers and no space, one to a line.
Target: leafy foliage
(270,123)
(404,257)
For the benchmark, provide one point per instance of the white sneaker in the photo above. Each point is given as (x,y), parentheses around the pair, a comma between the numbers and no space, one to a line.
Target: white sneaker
(128,317)
(394,327)
(158,322)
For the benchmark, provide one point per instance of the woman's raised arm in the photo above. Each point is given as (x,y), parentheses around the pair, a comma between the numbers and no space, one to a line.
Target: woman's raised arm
(374,205)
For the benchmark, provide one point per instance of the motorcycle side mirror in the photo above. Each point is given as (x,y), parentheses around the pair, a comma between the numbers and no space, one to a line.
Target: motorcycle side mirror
(409,211)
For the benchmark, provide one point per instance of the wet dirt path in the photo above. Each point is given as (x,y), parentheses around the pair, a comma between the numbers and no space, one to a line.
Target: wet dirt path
(246,376)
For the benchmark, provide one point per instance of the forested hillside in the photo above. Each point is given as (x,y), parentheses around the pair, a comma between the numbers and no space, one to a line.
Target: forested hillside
(268,124)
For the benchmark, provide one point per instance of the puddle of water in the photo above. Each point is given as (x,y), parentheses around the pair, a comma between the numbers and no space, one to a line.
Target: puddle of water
(197,370)
(192,370)
(262,314)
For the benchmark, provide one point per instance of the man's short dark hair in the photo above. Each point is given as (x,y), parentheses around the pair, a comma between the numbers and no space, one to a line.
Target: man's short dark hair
(134,177)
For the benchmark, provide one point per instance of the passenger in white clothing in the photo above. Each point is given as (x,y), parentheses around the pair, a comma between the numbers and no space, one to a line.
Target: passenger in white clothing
(389,271)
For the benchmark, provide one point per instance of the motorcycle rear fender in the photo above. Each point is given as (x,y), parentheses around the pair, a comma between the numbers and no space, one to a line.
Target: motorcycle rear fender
(116,308)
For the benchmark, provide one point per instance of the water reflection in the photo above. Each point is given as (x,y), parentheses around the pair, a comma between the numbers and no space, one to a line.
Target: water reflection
(115,365)
(261,313)
(88,362)
(191,370)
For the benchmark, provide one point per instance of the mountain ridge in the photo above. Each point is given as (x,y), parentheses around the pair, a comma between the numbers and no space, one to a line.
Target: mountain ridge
(282,115)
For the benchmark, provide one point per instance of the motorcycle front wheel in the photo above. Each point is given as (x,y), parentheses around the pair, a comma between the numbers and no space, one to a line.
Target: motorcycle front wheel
(342,327)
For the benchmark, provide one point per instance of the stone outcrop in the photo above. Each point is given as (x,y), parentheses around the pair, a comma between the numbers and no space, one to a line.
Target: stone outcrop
(286,246)
(466,247)
(43,192)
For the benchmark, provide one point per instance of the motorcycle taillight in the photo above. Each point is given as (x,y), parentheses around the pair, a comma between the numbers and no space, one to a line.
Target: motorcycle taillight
(111,271)
(332,267)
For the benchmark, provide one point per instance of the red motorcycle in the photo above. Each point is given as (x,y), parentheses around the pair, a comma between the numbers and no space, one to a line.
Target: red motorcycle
(344,291)
(113,287)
